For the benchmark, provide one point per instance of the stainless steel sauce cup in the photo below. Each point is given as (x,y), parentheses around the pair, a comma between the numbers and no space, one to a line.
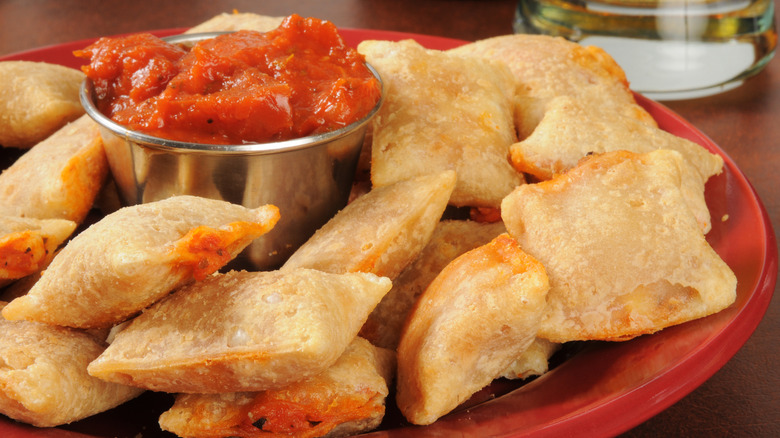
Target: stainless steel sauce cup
(308,178)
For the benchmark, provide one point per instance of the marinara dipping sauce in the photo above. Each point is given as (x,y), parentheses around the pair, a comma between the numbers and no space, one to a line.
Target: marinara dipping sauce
(244,87)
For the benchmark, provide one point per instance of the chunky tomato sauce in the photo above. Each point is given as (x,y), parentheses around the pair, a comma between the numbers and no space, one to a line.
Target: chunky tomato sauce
(243,87)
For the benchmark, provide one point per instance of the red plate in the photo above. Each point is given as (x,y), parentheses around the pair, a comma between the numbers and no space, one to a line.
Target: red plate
(602,389)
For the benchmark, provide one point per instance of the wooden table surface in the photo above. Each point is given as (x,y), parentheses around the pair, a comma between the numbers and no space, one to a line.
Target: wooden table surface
(743,398)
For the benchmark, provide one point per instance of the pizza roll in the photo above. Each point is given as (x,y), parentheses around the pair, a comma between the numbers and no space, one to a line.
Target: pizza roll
(137,255)
(380,232)
(547,67)
(624,253)
(450,239)
(534,361)
(36,99)
(443,112)
(44,380)
(233,21)
(242,331)
(569,132)
(28,245)
(59,177)
(345,399)
(479,314)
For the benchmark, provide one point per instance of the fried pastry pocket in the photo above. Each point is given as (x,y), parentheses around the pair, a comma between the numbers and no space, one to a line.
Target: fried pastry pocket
(36,99)
(534,361)
(137,255)
(347,398)
(547,67)
(43,377)
(623,250)
(28,245)
(233,21)
(450,239)
(479,314)
(380,232)
(569,132)
(242,331)
(58,178)
(443,112)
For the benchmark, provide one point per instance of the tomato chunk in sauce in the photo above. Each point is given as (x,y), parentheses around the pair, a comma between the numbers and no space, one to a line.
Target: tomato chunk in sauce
(243,87)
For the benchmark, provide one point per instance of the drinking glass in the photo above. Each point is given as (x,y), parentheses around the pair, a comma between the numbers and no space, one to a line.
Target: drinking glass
(669,49)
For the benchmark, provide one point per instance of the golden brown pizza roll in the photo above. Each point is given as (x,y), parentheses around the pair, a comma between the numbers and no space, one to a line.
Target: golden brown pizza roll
(479,314)
(237,21)
(36,99)
(380,232)
(443,112)
(450,239)
(569,132)
(43,377)
(534,361)
(547,67)
(346,399)
(137,255)
(28,245)
(242,331)
(624,252)
(59,177)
